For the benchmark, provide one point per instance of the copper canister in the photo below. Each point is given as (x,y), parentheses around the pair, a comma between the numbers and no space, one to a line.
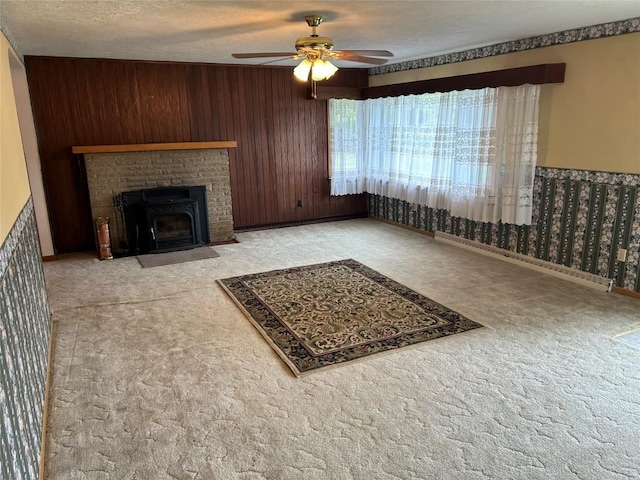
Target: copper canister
(104,239)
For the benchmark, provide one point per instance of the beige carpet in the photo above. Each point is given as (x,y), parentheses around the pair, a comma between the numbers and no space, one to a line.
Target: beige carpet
(157,374)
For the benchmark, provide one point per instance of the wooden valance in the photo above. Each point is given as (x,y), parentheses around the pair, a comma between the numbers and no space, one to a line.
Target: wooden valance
(510,77)
(143,147)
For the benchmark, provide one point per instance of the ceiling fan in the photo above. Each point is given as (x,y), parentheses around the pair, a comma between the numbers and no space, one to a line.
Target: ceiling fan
(315,52)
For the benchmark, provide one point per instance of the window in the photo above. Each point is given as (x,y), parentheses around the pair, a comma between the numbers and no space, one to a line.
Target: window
(471,152)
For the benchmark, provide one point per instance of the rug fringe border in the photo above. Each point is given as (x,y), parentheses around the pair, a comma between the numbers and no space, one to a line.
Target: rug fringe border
(388,352)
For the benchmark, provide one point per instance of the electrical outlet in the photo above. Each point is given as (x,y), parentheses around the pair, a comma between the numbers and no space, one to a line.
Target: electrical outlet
(622,254)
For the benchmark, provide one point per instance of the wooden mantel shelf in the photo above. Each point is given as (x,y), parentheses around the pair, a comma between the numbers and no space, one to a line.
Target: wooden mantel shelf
(143,147)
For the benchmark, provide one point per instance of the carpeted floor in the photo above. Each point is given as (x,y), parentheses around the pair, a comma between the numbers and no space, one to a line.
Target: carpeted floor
(157,374)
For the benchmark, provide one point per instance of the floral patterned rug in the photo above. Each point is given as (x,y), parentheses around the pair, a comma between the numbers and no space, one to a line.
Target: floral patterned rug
(321,315)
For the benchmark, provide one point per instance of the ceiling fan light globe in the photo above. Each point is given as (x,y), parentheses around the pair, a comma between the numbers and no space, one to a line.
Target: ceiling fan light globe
(322,70)
(331,69)
(301,72)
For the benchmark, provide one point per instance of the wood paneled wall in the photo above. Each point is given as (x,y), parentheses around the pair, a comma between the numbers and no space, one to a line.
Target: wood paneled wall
(282,153)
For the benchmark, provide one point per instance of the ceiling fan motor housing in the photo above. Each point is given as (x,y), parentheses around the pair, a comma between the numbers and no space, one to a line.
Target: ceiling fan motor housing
(314,43)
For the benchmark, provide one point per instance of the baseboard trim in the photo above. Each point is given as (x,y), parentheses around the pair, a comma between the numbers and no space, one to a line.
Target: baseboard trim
(222,242)
(49,258)
(406,227)
(549,268)
(253,228)
(624,291)
(45,408)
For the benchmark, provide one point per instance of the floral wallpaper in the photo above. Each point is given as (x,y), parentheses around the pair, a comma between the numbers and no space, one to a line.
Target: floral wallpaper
(580,219)
(24,346)
(568,36)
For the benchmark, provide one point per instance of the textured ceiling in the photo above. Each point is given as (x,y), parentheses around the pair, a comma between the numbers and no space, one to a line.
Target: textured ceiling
(210,31)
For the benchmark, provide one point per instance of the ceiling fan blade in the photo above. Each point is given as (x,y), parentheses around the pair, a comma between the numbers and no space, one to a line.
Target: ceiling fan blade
(372,53)
(269,62)
(345,55)
(263,55)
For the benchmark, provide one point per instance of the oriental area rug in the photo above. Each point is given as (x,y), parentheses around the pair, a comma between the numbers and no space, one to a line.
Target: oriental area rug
(322,315)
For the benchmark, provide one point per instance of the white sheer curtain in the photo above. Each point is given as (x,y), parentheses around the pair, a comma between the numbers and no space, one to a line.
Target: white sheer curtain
(347,134)
(471,152)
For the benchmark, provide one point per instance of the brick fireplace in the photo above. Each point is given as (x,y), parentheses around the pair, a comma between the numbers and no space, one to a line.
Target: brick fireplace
(112,173)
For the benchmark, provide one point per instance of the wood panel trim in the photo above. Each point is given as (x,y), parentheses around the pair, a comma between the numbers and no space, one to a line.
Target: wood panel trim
(143,147)
(624,291)
(327,92)
(510,77)
(47,395)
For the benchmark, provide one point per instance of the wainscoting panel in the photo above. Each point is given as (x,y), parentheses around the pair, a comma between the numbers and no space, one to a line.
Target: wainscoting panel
(24,344)
(580,219)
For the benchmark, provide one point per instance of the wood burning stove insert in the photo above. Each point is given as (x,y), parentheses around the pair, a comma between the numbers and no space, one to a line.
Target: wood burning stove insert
(165,219)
